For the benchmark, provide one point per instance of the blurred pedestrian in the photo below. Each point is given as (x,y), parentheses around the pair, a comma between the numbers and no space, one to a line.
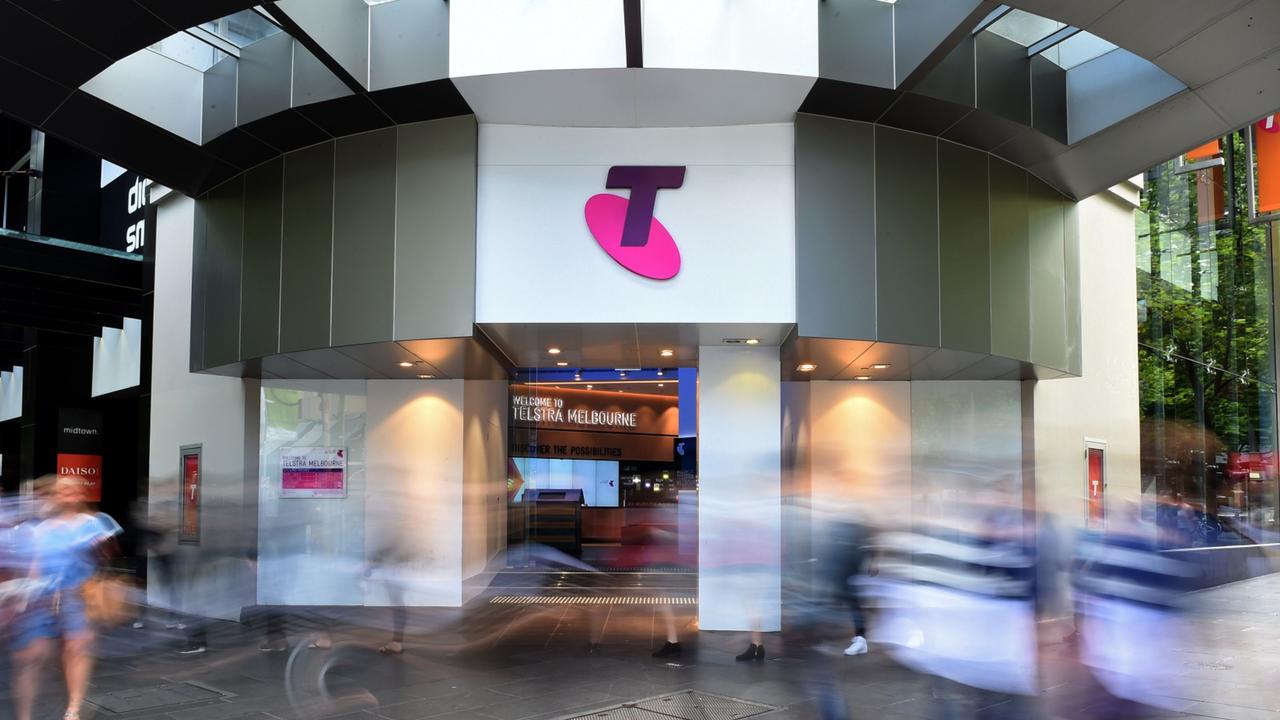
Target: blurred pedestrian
(67,547)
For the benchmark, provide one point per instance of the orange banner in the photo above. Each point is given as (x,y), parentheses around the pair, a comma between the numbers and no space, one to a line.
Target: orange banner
(1210,149)
(1266,150)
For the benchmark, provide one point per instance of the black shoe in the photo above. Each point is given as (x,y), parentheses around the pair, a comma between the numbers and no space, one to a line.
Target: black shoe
(755,652)
(671,649)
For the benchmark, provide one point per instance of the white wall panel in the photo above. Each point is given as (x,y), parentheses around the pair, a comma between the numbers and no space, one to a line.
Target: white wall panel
(117,358)
(503,36)
(733,221)
(773,36)
(161,91)
(1101,404)
(739,489)
(11,394)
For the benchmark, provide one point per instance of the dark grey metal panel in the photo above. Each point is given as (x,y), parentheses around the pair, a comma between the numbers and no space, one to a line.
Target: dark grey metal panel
(964,223)
(1004,78)
(1049,98)
(435,261)
(906,202)
(224,210)
(260,309)
(307,254)
(835,228)
(1047,282)
(364,238)
(219,99)
(409,43)
(1010,311)
(922,25)
(199,284)
(265,76)
(855,42)
(953,79)
(312,81)
(1071,275)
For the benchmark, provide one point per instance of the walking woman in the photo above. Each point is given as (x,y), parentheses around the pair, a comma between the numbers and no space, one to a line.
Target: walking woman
(67,547)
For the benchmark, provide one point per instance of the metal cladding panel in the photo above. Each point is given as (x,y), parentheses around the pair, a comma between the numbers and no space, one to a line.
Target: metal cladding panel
(835,228)
(1010,261)
(409,43)
(435,220)
(1004,78)
(906,211)
(198,286)
(364,237)
(1111,88)
(312,81)
(224,212)
(1047,282)
(341,27)
(921,26)
(1049,98)
(953,78)
(307,254)
(266,74)
(855,42)
(964,224)
(1071,276)
(219,101)
(260,310)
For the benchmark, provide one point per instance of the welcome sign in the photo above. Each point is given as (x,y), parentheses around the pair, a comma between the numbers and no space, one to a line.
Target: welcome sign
(549,407)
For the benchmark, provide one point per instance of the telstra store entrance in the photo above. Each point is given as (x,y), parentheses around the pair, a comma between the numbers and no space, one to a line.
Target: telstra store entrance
(602,478)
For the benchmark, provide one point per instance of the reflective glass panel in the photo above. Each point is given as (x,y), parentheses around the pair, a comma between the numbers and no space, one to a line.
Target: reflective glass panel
(1024,28)
(188,50)
(243,28)
(1078,49)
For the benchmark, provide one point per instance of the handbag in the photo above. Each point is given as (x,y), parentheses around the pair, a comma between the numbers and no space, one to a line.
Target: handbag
(107,599)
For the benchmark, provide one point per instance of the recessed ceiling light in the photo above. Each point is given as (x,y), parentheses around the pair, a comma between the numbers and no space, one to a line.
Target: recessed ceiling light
(880,366)
(577,376)
(588,387)
(562,364)
(753,341)
(662,384)
(659,373)
(862,377)
(667,353)
(622,374)
(406,363)
(806,367)
(425,377)
(553,351)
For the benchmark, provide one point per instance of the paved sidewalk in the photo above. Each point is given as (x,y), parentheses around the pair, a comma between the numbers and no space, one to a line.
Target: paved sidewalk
(505,662)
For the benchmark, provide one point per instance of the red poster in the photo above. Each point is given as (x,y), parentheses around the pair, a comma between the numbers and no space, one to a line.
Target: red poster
(85,468)
(1097,486)
(189,530)
(1266,150)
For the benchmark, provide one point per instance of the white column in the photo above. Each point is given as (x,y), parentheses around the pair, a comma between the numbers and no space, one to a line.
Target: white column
(740,489)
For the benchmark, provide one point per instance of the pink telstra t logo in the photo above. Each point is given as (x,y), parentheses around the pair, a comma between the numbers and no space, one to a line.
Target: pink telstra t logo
(627,229)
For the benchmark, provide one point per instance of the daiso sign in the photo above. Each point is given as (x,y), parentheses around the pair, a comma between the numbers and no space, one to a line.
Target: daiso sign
(626,229)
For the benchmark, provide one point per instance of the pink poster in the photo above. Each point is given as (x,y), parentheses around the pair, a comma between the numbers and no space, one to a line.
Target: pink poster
(312,472)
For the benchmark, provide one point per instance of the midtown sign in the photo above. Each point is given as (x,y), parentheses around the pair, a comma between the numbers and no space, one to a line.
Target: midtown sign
(626,229)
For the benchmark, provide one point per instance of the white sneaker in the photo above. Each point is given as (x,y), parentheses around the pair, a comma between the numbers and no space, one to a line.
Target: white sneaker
(858,647)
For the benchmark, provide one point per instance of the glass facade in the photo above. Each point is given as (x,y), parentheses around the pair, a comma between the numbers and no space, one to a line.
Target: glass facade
(1206,352)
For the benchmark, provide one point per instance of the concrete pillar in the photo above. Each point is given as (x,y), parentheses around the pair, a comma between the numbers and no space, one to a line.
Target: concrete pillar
(740,489)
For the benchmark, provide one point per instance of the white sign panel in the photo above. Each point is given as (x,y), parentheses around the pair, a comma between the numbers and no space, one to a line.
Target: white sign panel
(313,472)
(552,202)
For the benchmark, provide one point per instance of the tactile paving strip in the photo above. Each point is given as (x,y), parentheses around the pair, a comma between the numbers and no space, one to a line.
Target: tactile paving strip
(686,705)
(154,697)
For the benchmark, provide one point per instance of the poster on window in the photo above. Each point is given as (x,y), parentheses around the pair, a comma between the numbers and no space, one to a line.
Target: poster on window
(313,472)
(189,522)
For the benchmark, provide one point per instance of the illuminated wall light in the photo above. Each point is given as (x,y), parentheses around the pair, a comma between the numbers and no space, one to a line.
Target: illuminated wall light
(553,351)
(577,376)
(589,387)
(562,364)
(862,377)
(659,373)
(406,363)
(667,353)
(662,384)
(753,341)
(425,377)
(806,367)
(880,366)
